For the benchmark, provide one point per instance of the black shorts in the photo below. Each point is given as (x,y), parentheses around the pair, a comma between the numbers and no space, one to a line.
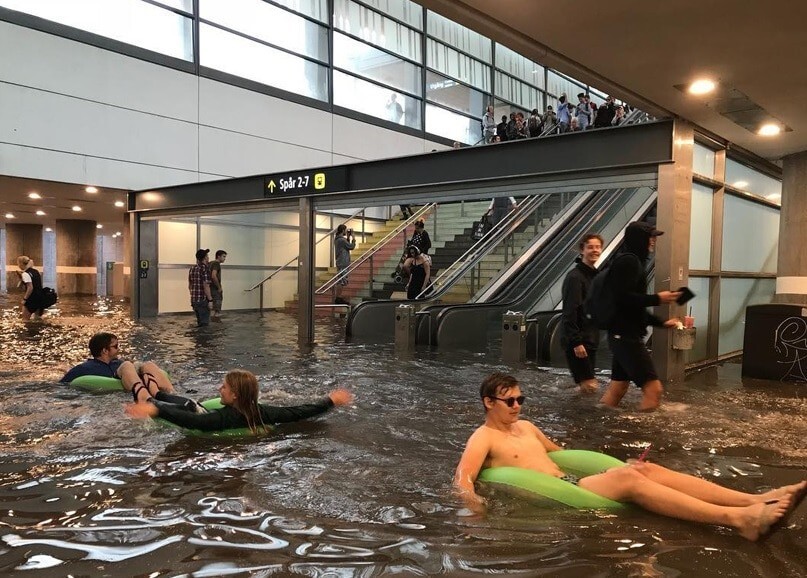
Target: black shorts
(582,368)
(631,360)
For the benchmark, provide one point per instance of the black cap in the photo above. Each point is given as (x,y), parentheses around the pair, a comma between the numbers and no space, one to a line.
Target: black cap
(201,254)
(646,228)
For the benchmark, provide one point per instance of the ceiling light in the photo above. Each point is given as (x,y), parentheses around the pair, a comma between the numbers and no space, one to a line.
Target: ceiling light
(702,86)
(774,197)
(91,189)
(118,233)
(40,213)
(769,129)
(10,216)
(118,203)
(34,195)
(99,226)
(76,208)
(48,229)
(740,184)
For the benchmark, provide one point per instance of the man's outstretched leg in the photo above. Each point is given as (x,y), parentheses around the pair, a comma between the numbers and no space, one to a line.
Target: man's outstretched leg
(153,375)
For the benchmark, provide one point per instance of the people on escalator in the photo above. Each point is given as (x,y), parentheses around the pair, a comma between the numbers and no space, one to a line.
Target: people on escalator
(498,209)
(418,267)
(579,336)
(606,113)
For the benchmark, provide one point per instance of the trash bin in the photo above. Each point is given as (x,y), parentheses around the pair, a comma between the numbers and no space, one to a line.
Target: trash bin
(405,327)
(775,342)
(514,337)
(683,339)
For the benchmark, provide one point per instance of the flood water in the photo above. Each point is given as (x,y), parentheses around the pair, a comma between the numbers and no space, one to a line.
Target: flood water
(364,490)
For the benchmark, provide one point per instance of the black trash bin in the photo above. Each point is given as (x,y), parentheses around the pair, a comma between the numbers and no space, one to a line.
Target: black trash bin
(775,342)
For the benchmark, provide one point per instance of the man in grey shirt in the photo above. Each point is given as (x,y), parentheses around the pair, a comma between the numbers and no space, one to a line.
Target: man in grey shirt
(345,242)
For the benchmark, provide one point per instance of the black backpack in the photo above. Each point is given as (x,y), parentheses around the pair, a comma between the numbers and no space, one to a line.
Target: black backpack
(600,303)
(49,297)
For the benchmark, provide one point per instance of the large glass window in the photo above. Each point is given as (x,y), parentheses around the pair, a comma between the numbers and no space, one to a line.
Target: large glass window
(239,56)
(131,21)
(453,126)
(454,95)
(459,36)
(384,103)
(519,66)
(557,85)
(753,253)
(703,161)
(735,296)
(403,10)
(374,28)
(317,9)
(700,228)
(747,179)
(269,23)
(515,91)
(364,60)
(457,65)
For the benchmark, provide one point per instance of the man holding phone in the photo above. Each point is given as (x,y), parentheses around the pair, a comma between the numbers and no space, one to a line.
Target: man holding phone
(631,358)
(345,242)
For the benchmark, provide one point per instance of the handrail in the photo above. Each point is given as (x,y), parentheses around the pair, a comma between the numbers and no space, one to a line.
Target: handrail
(284,265)
(485,245)
(375,248)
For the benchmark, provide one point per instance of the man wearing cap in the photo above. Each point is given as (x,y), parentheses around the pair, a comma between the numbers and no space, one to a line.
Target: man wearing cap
(631,358)
(199,287)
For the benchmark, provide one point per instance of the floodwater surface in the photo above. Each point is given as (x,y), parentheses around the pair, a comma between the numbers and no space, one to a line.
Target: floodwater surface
(363,490)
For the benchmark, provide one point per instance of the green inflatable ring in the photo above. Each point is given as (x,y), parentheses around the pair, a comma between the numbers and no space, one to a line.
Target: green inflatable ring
(97,383)
(580,463)
(211,404)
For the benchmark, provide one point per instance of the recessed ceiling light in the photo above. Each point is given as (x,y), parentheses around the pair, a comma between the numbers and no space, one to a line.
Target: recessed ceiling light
(118,203)
(34,195)
(48,229)
(99,226)
(740,184)
(702,86)
(91,189)
(118,233)
(769,129)
(76,208)
(10,216)
(40,212)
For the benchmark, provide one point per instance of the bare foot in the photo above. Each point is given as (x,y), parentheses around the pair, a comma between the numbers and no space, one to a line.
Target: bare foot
(758,520)
(775,494)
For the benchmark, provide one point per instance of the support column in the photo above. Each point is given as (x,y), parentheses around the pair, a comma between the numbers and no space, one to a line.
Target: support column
(306,273)
(76,271)
(21,240)
(791,274)
(672,250)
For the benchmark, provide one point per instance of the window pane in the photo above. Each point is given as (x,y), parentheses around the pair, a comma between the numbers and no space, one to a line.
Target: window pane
(459,66)
(402,10)
(317,9)
(703,161)
(519,66)
(459,36)
(501,108)
(373,28)
(369,62)
(557,85)
(754,253)
(185,5)
(735,296)
(700,228)
(247,59)
(700,311)
(270,24)
(130,21)
(745,178)
(521,94)
(355,94)
(454,95)
(453,126)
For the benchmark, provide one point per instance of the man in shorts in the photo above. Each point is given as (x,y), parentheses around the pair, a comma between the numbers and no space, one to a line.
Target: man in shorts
(628,281)
(580,337)
(504,440)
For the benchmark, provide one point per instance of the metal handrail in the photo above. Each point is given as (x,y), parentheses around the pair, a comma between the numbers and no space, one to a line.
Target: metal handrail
(486,244)
(284,265)
(375,248)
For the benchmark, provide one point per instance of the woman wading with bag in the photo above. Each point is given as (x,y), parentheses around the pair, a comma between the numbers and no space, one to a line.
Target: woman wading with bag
(33,302)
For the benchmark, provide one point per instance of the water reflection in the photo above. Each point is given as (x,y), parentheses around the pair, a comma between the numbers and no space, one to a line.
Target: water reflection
(363,491)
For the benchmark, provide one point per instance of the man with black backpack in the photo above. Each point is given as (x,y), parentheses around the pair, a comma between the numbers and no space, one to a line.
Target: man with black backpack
(627,283)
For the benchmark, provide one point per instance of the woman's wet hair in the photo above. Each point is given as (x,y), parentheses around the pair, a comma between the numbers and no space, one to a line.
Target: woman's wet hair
(23,262)
(245,389)
(99,342)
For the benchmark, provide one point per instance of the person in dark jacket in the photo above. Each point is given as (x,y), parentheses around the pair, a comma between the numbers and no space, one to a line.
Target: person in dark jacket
(239,396)
(501,129)
(628,280)
(605,114)
(33,302)
(579,336)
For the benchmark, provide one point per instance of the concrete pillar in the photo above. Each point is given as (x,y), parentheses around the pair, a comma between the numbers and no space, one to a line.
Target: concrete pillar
(76,271)
(791,274)
(672,250)
(22,240)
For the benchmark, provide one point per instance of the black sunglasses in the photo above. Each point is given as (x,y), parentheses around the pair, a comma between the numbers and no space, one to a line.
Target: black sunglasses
(511,401)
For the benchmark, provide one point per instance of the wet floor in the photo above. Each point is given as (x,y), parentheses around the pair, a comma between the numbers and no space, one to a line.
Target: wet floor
(364,490)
